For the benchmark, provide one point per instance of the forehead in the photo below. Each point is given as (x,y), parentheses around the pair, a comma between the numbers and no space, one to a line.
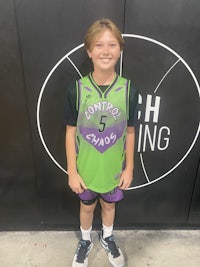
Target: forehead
(106,36)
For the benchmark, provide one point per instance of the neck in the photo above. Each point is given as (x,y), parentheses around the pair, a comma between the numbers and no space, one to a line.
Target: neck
(103,78)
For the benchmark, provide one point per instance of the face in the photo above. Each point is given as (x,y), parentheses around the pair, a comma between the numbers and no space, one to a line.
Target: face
(105,52)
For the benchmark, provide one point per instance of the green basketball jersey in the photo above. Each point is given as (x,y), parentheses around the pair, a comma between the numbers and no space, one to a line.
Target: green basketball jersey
(101,132)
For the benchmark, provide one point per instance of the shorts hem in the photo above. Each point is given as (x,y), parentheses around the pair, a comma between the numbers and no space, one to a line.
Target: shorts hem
(88,197)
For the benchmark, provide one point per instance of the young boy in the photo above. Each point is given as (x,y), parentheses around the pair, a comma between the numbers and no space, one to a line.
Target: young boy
(100,139)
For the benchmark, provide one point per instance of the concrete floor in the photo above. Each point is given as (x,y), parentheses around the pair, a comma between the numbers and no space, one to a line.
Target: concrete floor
(144,248)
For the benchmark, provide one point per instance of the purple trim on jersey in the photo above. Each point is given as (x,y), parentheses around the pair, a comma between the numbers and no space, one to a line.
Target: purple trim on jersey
(118,89)
(88,89)
(102,140)
(113,196)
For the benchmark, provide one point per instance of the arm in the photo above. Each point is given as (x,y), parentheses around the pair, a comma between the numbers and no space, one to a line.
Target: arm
(74,179)
(127,174)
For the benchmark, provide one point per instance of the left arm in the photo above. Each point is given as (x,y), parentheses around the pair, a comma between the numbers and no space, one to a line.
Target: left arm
(127,174)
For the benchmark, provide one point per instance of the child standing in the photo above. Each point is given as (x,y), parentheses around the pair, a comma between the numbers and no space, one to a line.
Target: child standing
(100,139)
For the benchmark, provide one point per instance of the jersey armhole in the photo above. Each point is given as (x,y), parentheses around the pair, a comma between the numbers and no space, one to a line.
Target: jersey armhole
(77,96)
(128,98)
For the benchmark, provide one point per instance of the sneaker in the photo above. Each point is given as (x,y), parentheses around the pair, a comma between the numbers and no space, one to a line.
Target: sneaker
(115,255)
(81,254)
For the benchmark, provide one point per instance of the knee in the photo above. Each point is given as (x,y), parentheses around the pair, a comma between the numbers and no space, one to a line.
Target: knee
(107,206)
(89,209)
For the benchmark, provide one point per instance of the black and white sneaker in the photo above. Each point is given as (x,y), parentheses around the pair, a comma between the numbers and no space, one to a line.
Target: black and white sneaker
(81,254)
(115,255)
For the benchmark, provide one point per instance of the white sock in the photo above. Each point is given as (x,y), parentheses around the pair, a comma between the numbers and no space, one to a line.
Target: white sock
(107,231)
(86,234)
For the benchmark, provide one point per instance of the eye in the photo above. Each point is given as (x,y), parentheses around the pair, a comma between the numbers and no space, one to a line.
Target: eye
(98,45)
(113,45)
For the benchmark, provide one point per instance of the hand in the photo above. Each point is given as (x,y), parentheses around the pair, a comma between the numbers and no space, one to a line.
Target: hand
(125,179)
(76,183)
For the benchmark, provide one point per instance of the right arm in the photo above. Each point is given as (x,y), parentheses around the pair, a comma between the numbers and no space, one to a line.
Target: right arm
(74,179)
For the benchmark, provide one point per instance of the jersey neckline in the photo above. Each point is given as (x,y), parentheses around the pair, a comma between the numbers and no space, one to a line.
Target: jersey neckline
(98,87)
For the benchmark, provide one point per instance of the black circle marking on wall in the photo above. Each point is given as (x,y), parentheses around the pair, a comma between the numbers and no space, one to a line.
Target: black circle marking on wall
(178,60)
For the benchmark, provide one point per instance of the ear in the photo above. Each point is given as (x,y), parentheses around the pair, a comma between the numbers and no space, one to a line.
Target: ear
(121,52)
(89,53)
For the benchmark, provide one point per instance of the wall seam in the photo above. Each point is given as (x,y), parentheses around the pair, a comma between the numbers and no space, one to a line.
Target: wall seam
(27,110)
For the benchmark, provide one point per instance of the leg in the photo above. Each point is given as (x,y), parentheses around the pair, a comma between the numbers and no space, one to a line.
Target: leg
(107,213)
(86,215)
(107,240)
(85,244)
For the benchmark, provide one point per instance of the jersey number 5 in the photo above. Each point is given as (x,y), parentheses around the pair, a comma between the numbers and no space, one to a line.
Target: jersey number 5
(102,123)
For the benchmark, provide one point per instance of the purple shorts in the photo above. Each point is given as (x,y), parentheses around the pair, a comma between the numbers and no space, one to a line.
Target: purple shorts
(88,196)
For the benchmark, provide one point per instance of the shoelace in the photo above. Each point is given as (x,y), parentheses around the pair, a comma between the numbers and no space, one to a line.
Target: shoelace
(82,250)
(112,246)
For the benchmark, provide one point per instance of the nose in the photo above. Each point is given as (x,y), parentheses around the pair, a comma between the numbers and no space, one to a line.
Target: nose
(106,49)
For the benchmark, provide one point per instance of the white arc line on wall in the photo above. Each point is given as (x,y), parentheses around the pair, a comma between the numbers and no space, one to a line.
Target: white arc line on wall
(164,76)
(40,99)
(144,169)
(175,166)
(121,70)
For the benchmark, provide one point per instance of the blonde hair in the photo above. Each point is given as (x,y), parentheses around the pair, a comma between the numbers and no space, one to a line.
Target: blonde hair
(97,28)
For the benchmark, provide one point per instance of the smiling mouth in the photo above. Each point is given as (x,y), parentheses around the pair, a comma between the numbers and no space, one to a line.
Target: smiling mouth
(105,59)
